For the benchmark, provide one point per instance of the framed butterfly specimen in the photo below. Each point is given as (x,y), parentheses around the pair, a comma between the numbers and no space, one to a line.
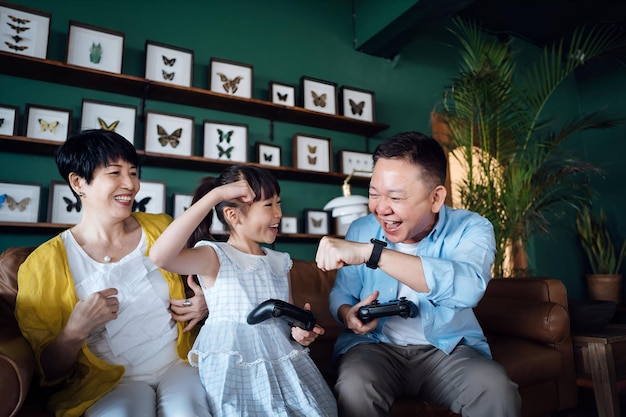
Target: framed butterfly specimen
(357,103)
(19,202)
(312,153)
(24,31)
(267,154)
(119,118)
(226,141)
(151,197)
(169,64)
(316,222)
(169,133)
(63,206)
(180,203)
(289,225)
(359,164)
(49,123)
(8,119)
(95,47)
(231,78)
(318,95)
(283,94)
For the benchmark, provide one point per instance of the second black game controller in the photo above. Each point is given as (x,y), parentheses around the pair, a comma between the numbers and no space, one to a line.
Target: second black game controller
(402,307)
(292,314)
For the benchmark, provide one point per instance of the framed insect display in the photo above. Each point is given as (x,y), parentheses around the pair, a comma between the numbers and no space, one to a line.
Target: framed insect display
(316,222)
(19,202)
(8,119)
(169,134)
(289,225)
(357,103)
(24,31)
(50,123)
(94,47)
(63,206)
(318,95)
(267,154)
(118,118)
(180,203)
(151,197)
(169,64)
(312,153)
(226,141)
(359,164)
(232,78)
(283,94)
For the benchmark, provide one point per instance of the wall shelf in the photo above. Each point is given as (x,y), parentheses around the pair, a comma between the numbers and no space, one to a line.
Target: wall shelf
(61,73)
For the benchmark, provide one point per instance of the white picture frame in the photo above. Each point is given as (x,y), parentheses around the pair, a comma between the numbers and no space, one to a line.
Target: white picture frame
(24,31)
(217,227)
(8,119)
(283,94)
(316,222)
(312,153)
(119,118)
(180,203)
(94,47)
(231,78)
(45,122)
(358,104)
(63,206)
(318,95)
(359,164)
(268,154)
(19,202)
(289,225)
(226,141)
(151,197)
(169,64)
(169,134)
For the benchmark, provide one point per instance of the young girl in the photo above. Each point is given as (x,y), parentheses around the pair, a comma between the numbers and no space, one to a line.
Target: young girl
(247,370)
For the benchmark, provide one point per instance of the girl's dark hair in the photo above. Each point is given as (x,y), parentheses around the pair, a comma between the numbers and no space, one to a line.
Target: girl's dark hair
(260,180)
(417,149)
(91,149)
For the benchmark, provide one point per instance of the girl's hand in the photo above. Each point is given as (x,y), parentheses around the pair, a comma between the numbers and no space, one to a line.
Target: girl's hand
(306,337)
(239,191)
(192,309)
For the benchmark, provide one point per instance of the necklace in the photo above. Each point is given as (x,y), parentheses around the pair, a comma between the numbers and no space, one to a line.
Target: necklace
(107,259)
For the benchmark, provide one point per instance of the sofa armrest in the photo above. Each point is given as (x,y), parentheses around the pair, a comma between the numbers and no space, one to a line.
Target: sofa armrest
(17,364)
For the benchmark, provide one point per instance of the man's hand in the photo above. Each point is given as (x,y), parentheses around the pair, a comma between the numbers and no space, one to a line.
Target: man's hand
(333,253)
(348,314)
(192,310)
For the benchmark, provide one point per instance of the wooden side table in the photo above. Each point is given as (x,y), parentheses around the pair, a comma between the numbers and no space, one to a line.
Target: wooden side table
(594,356)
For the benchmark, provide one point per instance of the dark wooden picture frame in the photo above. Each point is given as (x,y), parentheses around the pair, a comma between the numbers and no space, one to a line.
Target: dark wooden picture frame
(88,44)
(268,154)
(47,122)
(231,78)
(318,95)
(357,103)
(283,94)
(24,31)
(169,64)
(317,222)
(312,153)
(9,116)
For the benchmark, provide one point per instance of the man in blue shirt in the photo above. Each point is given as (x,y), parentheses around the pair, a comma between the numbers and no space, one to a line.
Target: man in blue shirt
(414,246)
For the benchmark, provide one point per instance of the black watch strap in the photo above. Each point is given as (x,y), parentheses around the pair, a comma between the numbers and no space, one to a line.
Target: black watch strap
(375,256)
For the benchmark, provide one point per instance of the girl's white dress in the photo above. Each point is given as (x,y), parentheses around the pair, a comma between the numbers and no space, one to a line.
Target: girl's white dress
(255,370)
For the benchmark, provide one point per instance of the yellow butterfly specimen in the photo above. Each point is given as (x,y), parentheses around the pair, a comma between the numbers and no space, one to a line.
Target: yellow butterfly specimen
(312,149)
(165,138)
(319,100)
(51,126)
(356,108)
(111,127)
(20,205)
(230,86)
(312,159)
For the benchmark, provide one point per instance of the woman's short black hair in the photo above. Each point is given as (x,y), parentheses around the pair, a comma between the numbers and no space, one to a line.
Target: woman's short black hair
(90,149)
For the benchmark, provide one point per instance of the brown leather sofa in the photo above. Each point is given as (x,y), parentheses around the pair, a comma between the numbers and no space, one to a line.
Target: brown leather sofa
(525,319)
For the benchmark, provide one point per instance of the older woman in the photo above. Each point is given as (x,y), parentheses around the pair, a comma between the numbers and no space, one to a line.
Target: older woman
(109,328)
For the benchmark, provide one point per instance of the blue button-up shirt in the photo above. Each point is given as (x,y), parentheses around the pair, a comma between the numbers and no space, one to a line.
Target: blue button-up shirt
(457,256)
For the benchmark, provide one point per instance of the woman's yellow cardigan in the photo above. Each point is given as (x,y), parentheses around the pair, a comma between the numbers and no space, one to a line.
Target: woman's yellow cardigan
(45,300)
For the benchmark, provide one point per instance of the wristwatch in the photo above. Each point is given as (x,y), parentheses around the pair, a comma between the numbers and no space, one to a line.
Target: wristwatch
(375,256)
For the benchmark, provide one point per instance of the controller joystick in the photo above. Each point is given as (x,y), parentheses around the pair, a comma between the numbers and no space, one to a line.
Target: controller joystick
(292,314)
(401,307)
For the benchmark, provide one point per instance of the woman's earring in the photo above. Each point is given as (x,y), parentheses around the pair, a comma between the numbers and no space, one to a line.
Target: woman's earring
(81,194)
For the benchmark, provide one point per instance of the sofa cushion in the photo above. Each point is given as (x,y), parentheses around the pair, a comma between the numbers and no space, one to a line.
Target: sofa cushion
(10,260)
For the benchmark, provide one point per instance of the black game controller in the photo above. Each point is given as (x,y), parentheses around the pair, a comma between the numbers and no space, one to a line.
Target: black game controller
(402,307)
(293,315)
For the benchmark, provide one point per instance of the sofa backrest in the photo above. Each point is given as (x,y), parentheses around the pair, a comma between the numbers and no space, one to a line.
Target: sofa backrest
(10,261)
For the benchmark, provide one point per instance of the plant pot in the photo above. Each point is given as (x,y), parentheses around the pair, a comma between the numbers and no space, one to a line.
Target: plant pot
(590,315)
(605,287)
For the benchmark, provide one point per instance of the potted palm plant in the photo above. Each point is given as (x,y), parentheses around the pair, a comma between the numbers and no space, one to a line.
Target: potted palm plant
(517,174)
(605,280)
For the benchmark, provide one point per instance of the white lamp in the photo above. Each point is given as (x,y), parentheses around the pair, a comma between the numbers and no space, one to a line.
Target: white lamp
(347,208)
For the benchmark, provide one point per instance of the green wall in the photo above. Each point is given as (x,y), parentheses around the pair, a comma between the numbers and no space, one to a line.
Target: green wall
(284,40)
